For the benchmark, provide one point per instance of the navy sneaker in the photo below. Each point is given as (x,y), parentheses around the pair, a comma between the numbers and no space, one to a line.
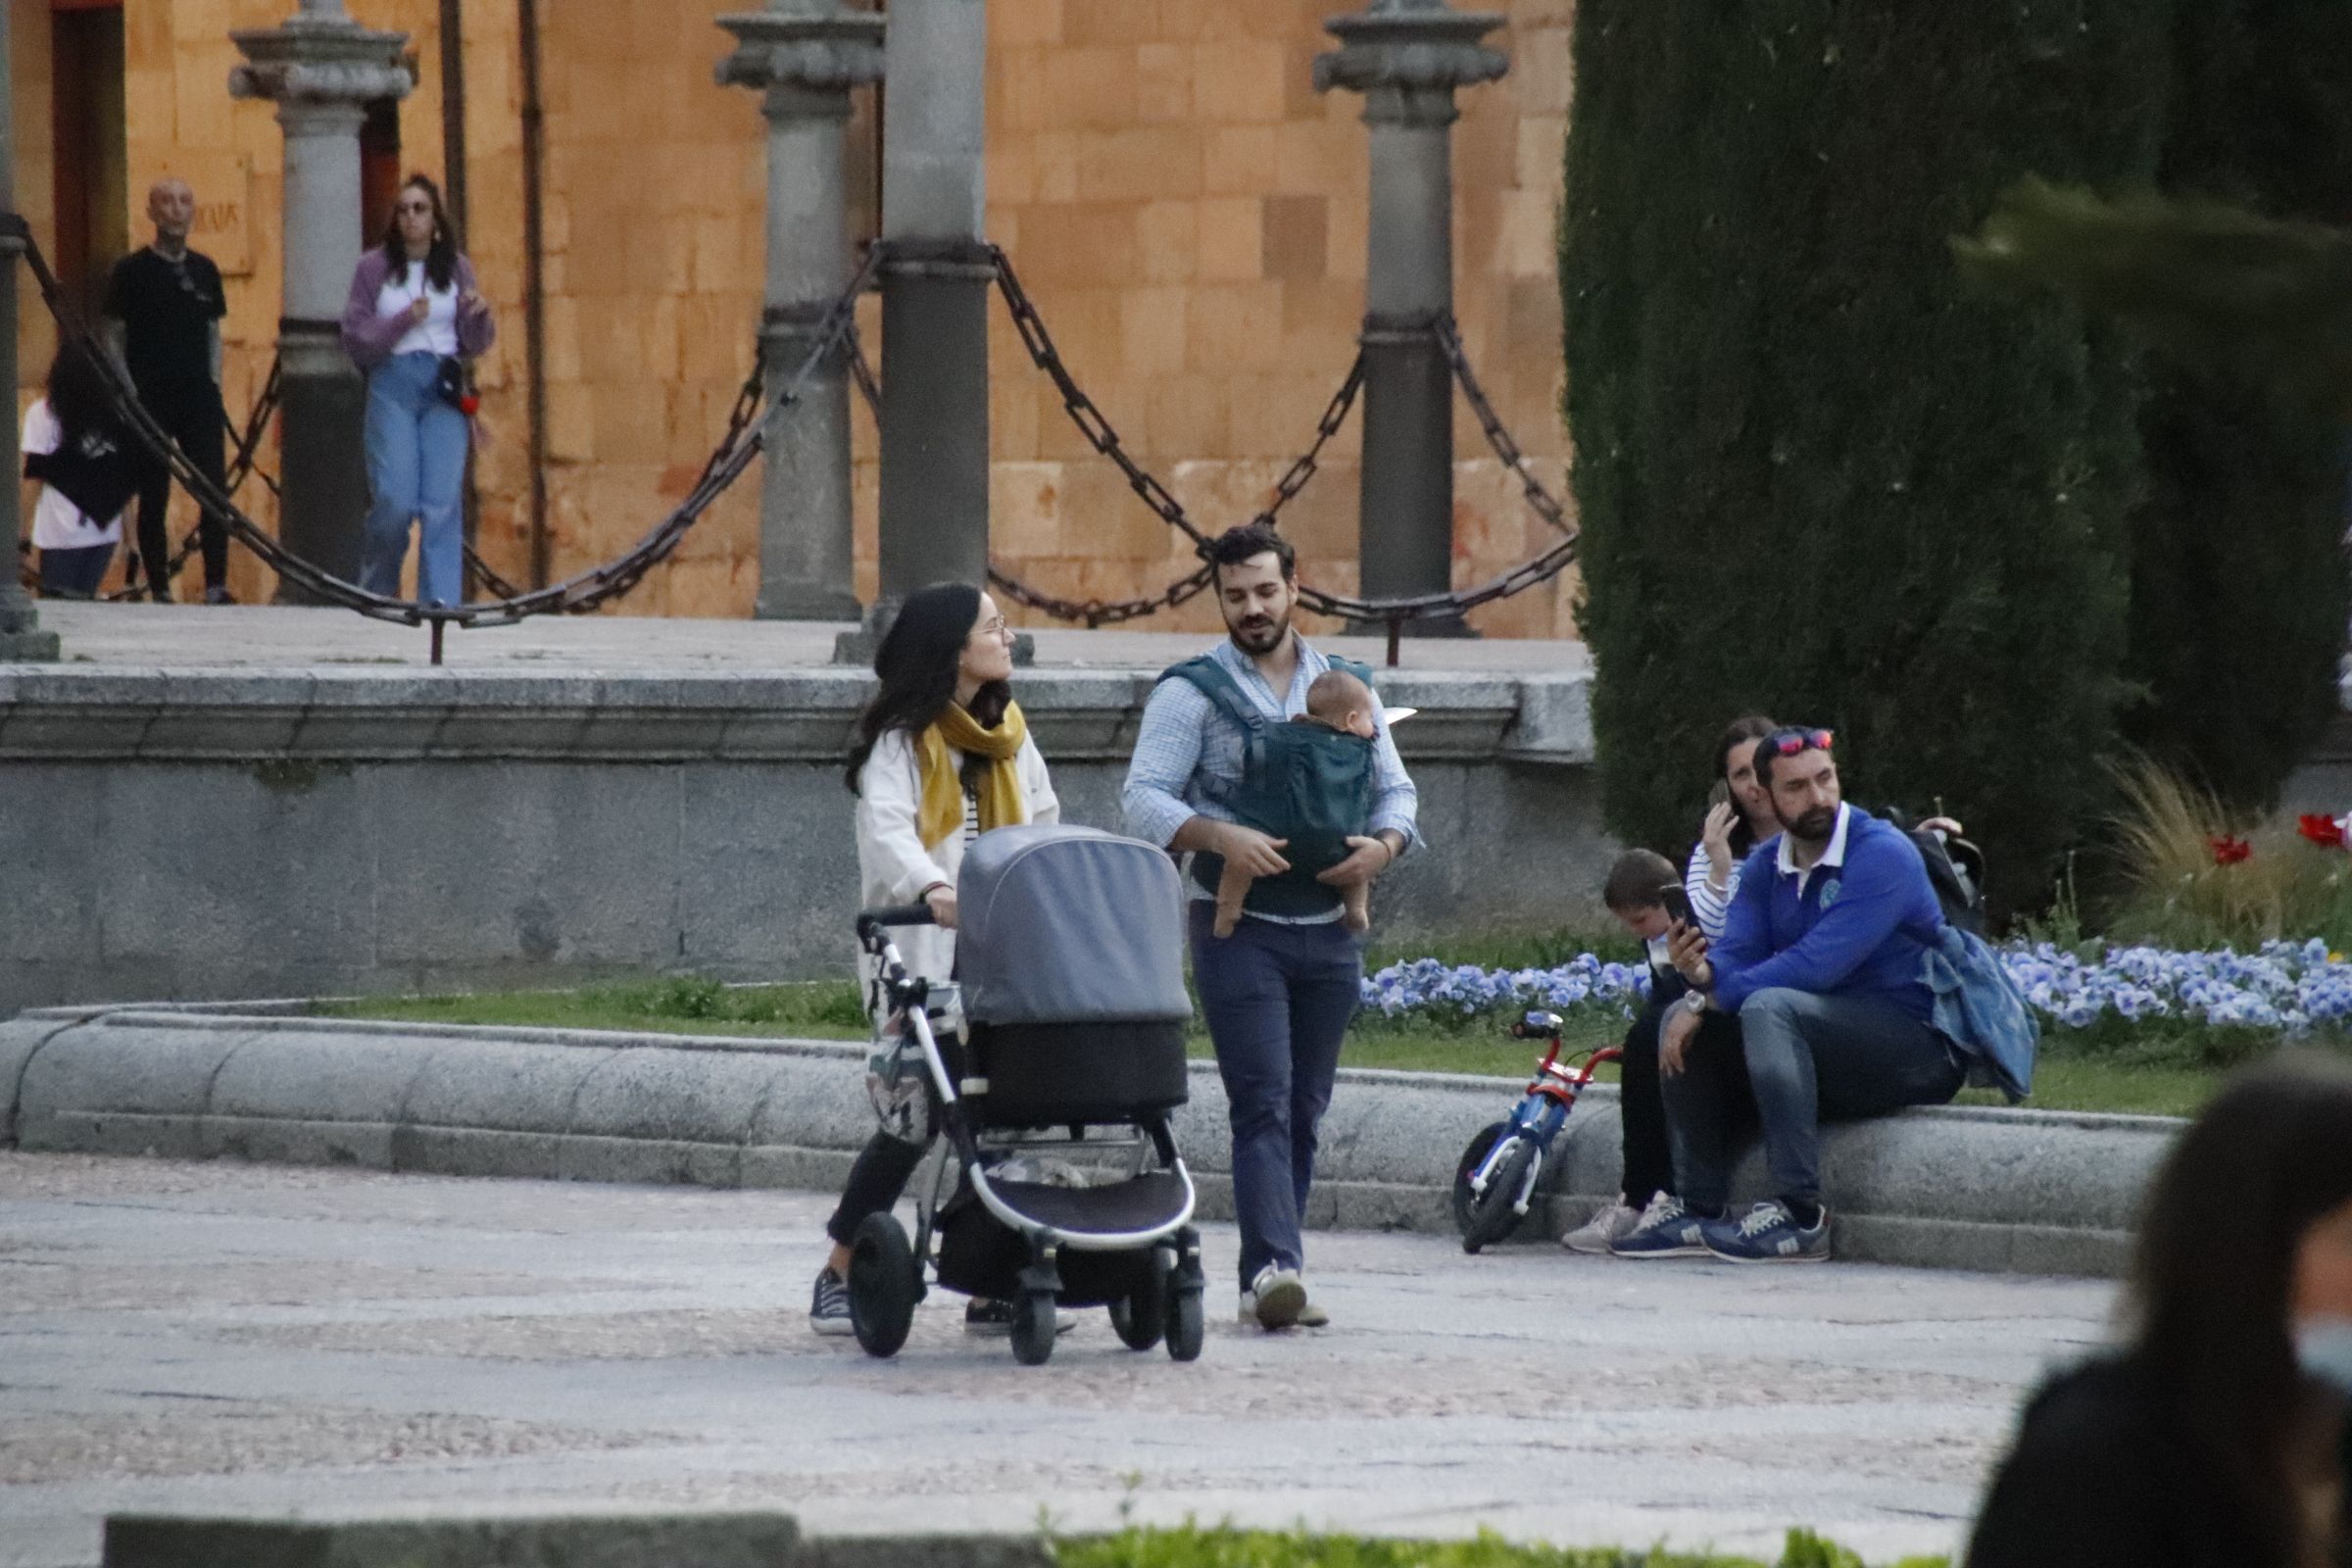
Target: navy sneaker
(1666,1229)
(829,1307)
(1768,1234)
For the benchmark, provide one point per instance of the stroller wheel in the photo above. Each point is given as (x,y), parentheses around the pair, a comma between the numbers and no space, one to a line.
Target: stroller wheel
(1186,1327)
(1142,1317)
(885,1283)
(1491,1216)
(1033,1327)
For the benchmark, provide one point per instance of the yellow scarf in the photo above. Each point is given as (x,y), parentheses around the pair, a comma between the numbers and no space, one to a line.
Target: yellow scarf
(940,815)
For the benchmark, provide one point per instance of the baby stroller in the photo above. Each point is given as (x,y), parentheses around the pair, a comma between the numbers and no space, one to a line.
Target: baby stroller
(1073,1011)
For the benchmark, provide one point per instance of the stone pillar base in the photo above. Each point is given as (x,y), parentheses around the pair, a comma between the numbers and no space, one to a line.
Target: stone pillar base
(30,646)
(802,602)
(323,506)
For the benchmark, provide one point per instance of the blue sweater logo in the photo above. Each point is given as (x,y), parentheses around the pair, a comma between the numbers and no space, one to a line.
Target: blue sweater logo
(1829,891)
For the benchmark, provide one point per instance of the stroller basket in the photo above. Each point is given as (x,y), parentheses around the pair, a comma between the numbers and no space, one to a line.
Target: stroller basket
(1045,1074)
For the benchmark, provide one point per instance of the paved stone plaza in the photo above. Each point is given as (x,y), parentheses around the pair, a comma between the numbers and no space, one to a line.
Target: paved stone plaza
(226,1337)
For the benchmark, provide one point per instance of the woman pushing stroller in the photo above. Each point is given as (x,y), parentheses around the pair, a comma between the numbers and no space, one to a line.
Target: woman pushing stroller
(942,755)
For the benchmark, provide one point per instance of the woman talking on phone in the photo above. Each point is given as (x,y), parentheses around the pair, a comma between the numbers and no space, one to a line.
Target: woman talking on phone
(414,321)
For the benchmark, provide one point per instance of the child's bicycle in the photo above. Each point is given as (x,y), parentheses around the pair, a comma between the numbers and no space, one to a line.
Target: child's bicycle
(1496,1180)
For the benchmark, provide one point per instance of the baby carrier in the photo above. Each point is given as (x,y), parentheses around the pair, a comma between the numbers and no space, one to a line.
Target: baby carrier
(1070,949)
(1308,783)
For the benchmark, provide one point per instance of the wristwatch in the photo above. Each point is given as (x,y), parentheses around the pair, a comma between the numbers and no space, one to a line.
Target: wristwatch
(1695,1002)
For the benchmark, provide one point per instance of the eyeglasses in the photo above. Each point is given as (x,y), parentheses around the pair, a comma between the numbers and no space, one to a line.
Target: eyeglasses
(415,207)
(1789,742)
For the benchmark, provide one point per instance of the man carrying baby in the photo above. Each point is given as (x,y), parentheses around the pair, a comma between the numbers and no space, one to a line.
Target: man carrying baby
(1279,991)
(1342,703)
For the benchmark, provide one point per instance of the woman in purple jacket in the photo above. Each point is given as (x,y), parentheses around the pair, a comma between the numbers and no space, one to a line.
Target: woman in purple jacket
(414,311)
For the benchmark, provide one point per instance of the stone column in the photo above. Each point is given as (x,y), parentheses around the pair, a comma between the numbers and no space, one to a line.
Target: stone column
(1406,57)
(322,70)
(804,55)
(22,640)
(935,284)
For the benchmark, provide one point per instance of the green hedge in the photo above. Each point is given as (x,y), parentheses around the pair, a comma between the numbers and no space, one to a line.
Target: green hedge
(1194,1547)
(1816,476)
(2239,584)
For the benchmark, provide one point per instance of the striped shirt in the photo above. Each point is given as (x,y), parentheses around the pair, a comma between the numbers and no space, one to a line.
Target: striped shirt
(1184,737)
(1708,906)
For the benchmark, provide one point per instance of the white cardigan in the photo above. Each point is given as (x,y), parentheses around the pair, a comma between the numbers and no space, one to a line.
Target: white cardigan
(894,867)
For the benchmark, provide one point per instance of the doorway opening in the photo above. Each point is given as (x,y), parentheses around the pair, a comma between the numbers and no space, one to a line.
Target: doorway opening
(92,161)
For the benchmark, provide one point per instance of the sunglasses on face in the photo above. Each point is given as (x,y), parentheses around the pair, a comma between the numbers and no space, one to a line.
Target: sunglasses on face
(1789,742)
(418,208)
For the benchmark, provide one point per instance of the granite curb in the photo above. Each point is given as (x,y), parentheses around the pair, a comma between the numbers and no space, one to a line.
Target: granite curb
(2025,1191)
(591,1541)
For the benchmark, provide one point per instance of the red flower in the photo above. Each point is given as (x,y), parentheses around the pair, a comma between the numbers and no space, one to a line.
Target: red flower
(2327,832)
(2229,851)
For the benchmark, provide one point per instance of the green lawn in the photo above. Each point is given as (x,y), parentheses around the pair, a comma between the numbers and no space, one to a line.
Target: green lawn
(2066,1080)
(1196,1546)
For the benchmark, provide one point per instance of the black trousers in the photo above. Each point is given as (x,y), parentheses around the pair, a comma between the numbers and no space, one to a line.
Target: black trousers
(191,413)
(1714,1058)
(879,1175)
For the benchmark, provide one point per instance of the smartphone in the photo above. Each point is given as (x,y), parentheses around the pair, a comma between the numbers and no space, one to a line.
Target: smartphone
(1677,903)
(1720,795)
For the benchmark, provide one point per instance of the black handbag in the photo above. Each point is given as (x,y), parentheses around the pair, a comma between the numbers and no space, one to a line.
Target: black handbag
(453,381)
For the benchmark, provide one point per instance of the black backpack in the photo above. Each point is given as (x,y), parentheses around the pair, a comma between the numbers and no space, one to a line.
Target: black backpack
(1955,870)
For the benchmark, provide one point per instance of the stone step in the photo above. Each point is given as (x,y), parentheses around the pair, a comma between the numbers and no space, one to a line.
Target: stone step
(2024,1190)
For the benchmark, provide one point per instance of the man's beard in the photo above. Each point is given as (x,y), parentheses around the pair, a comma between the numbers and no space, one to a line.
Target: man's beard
(1814,826)
(1259,634)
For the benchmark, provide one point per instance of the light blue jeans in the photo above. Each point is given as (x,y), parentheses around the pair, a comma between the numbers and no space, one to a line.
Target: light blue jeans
(415,471)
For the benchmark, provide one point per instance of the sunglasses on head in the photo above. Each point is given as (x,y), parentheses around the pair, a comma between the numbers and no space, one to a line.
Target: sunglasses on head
(1789,742)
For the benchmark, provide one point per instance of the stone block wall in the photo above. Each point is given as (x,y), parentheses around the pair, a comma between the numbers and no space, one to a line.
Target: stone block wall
(1187,214)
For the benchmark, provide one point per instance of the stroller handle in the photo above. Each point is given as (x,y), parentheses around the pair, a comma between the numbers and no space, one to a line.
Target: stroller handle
(871,922)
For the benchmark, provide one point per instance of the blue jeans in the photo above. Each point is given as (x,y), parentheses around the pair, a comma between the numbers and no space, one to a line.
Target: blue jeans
(75,573)
(415,470)
(1278,1000)
(1810,1058)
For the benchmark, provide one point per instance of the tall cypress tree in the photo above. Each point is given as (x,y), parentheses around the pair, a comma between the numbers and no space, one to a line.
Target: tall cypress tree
(1816,475)
(2238,580)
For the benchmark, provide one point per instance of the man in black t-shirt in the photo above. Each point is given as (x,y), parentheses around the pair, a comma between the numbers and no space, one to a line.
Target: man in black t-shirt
(164,305)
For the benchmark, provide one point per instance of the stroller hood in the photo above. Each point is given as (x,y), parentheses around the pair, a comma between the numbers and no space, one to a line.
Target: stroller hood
(1069,926)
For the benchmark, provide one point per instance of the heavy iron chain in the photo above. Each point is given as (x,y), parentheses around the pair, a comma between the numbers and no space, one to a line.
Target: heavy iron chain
(247,445)
(1091,613)
(583,591)
(1104,439)
(1540,500)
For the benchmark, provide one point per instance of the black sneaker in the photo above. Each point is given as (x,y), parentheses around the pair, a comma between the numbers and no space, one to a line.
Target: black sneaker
(829,1306)
(985,1314)
(217,594)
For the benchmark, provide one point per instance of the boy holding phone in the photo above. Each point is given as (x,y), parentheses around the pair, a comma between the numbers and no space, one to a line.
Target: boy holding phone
(1648,1219)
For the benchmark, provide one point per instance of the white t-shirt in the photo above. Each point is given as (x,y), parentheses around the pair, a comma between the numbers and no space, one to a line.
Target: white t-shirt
(57,524)
(437,334)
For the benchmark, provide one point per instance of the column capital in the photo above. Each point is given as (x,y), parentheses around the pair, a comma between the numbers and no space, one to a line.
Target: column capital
(1406,57)
(320,57)
(819,47)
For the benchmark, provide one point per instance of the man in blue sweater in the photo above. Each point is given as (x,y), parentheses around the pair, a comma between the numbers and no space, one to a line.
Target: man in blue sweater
(1821,960)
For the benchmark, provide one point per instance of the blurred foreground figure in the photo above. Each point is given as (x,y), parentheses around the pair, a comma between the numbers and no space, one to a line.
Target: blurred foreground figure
(2216,1437)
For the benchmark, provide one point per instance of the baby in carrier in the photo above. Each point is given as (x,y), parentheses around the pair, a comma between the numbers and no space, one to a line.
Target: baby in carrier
(1338,701)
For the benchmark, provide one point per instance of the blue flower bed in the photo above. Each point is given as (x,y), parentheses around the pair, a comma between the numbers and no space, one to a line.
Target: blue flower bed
(2292,987)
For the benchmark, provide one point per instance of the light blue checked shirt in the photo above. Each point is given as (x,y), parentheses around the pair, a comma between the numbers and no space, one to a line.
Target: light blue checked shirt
(1184,737)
